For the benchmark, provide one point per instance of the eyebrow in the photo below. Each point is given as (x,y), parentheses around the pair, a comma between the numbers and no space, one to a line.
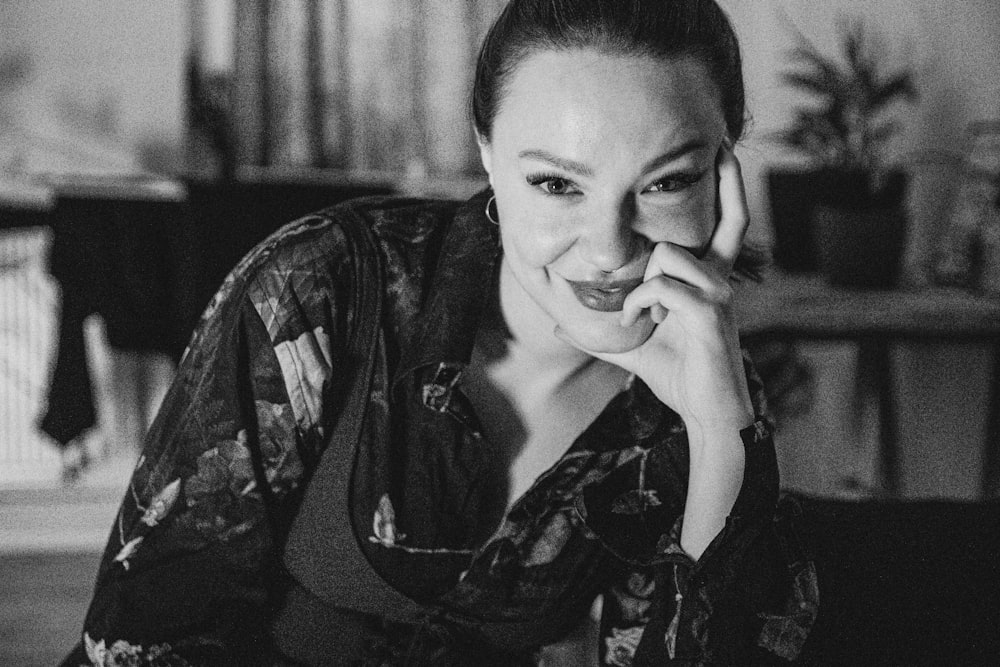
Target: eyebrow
(582,169)
(689,146)
(565,164)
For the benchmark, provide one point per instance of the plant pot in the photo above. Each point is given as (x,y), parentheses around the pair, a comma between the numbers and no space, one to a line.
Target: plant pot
(861,230)
(834,221)
(860,247)
(793,195)
(853,189)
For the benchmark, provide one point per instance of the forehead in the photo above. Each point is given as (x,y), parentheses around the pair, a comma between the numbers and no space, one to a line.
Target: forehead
(593,102)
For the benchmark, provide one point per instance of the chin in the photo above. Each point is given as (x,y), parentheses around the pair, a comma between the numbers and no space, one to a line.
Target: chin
(604,334)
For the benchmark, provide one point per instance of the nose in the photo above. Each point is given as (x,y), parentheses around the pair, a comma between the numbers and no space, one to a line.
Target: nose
(609,240)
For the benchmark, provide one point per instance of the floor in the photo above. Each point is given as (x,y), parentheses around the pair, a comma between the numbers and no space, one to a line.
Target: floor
(45,596)
(50,545)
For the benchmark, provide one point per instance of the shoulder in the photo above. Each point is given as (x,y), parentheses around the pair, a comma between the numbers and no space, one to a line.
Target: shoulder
(316,245)
(317,241)
(404,218)
(307,265)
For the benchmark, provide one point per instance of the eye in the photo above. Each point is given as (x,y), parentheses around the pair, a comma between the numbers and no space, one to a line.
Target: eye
(675,182)
(552,185)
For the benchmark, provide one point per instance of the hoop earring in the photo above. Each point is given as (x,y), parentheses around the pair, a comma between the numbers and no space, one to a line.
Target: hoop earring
(490,216)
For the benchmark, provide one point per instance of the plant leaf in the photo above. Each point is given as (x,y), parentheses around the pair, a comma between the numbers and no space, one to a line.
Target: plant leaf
(852,37)
(859,53)
(824,72)
(886,131)
(899,87)
(842,132)
(816,134)
(809,82)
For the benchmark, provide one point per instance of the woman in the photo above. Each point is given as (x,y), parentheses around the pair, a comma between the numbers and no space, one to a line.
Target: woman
(414,432)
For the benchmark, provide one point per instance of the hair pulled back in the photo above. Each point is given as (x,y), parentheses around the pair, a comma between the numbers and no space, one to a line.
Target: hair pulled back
(658,28)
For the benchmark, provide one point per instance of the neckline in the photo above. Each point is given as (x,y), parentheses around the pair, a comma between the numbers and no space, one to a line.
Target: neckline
(614,415)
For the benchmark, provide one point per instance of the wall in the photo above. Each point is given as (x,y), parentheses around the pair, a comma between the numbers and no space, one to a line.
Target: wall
(104,88)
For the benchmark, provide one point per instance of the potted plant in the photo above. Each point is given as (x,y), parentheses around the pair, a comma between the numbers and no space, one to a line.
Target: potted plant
(851,193)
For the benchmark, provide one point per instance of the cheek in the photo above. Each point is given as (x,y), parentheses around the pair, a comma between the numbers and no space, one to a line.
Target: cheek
(535,240)
(690,223)
(536,248)
(531,237)
(705,217)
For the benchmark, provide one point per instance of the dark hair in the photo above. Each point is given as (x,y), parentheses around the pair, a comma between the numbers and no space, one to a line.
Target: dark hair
(660,28)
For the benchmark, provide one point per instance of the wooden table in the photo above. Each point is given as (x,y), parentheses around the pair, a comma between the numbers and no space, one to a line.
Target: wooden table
(807,308)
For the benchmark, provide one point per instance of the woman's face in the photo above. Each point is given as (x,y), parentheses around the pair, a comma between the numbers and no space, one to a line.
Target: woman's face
(594,159)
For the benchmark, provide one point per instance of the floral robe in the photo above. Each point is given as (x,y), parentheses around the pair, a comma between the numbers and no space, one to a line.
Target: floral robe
(193,571)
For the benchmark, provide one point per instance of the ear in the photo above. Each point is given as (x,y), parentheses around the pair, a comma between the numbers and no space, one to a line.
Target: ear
(486,155)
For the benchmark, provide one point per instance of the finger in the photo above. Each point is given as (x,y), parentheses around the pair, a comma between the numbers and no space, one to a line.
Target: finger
(678,262)
(727,240)
(661,291)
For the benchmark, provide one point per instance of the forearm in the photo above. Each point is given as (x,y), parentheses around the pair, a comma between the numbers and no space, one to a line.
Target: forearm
(717,463)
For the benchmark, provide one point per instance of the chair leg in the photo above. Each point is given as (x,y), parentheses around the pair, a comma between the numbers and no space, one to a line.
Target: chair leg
(875,357)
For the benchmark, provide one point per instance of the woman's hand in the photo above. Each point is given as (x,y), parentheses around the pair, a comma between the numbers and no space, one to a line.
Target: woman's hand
(692,360)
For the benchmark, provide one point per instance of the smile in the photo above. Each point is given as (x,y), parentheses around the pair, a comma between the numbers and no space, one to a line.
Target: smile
(605,297)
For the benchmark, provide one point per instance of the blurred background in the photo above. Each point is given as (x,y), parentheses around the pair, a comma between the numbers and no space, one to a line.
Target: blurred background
(146,145)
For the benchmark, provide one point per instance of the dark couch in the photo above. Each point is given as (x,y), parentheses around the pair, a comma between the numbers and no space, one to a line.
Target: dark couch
(904,583)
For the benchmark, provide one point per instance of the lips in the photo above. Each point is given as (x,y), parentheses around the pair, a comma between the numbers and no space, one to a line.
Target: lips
(603,296)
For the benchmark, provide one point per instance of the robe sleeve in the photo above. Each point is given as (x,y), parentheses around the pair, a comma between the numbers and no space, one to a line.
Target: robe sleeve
(751,598)
(190,568)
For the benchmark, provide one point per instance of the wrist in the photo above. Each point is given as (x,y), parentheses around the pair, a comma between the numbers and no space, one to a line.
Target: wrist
(720,423)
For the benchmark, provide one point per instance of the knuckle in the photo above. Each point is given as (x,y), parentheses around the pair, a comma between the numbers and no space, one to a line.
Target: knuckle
(663,251)
(722,294)
(712,315)
(661,280)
